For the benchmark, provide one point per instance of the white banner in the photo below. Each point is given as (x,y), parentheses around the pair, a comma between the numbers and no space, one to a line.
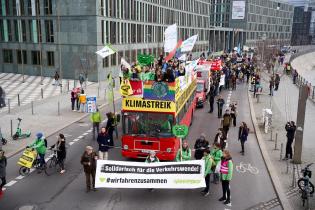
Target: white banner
(168,175)
(170,36)
(106,51)
(125,63)
(238,10)
(183,57)
(189,44)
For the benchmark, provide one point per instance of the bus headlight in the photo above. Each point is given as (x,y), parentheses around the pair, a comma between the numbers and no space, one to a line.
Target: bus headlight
(126,147)
(169,150)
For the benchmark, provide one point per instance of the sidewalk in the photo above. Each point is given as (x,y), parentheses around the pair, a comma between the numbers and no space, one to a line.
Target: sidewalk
(46,118)
(284,108)
(32,89)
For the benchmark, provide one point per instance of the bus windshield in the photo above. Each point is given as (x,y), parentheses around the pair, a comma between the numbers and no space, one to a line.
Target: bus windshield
(200,87)
(145,123)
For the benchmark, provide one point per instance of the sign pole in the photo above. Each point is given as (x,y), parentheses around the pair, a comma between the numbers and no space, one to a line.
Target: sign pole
(181,149)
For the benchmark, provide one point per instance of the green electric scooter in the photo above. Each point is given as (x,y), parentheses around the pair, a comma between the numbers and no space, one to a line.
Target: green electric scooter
(18,134)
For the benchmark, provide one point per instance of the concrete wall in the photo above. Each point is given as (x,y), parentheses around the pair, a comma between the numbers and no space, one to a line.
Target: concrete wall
(305,66)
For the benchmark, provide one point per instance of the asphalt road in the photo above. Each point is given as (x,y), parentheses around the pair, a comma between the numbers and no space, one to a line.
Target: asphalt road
(67,191)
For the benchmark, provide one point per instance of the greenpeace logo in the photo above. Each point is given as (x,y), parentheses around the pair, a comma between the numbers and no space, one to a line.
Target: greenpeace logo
(187,181)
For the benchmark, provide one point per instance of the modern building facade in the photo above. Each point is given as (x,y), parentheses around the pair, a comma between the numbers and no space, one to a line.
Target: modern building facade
(262,19)
(40,37)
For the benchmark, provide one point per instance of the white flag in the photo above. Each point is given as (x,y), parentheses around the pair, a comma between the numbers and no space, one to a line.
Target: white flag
(183,57)
(106,51)
(170,36)
(125,63)
(189,44)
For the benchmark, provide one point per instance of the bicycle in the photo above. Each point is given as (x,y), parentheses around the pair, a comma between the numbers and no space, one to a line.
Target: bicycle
(52,164)
(30,159)
(306,187)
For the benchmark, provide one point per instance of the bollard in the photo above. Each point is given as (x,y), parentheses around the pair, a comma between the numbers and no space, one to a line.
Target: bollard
(42,92)
(32,104)
(60,89)
(9,106)
(313,92)
(58,108)
(293,176)
(281,151)
(276,142)
(271,135)
(19,103)
(68,85)
(11,128)
(287,161)
(258,97)
(74,83)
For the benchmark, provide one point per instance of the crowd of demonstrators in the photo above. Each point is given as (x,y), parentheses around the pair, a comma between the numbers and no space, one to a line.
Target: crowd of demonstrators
(2,97)
(78,100)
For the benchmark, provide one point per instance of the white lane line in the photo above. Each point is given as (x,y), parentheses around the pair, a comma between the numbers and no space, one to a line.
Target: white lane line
(10,183)
(85,134)
(71,143)
(75,140)
(89,131)
(20,177)
(3,189)
(80,137)
(228,101)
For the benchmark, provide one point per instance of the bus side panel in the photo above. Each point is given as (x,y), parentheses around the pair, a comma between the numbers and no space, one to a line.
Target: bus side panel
(187,119)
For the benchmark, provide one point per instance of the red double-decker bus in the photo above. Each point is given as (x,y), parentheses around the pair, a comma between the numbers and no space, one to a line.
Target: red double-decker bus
(147,122)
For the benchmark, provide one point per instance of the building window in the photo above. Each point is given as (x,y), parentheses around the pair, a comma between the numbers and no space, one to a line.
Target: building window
(102,7)
(10,35)
(105,62)
(36,58)
(39,30)
(16,31)
(21,59)
(23,23)
(113,60)
(7,56)
(37,7)
(7,7)
(50,58)
(49,29)
(22,11)
(29,7)
(48,7)
(102,31)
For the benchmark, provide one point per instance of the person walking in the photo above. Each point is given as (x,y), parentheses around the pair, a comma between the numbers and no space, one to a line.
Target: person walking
(96,119)
(40,147)
(3,165)
(216,154)
(82,100)
(211,98)
(295,75)
(208,170)
(290,128)
(81,79)
(110,126)
(226,122)
(277,82)
(78,98)
(184,153)
(242,135)
(103,141)
(220,103)
(271,86)
(200,146)
(88,160)
(73,98)
(233,107)
(226,171)
(2,97)
(61,152)
(56,77)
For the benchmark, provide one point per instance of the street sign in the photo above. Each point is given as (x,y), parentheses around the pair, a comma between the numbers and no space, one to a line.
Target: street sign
(180,131)
(91,104)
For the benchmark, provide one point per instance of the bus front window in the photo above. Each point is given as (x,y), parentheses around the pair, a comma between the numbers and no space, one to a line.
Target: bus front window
(153,124)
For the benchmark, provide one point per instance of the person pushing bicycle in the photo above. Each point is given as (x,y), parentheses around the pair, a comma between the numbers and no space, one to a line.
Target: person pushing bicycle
(40,146)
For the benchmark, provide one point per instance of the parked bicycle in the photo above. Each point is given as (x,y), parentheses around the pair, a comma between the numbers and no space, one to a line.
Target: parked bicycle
(52,164)
(306,187)
(28,160)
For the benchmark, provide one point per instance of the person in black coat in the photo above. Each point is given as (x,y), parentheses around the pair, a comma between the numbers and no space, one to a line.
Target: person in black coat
(242,135)
(103,140)
(61,151)
(3,165)
(290,128)
(200,146)
(110,127)
(211,98)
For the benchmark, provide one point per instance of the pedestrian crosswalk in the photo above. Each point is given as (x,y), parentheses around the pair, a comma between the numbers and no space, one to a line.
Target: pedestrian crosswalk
(32,89)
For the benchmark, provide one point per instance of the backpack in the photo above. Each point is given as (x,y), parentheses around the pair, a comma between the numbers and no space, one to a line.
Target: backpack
(226,121)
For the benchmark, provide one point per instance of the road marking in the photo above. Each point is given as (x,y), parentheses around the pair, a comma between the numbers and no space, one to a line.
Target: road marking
(10,183)
(3,189)
(89,131)
(75,140)
(242,168)
(20,177)
(80,137)
(71,143)
(85,134)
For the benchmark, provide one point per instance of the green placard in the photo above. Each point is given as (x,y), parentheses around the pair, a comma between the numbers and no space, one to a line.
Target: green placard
(180,131)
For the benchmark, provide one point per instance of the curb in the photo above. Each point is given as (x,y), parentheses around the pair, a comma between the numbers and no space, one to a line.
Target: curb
(9,155)
(284,202)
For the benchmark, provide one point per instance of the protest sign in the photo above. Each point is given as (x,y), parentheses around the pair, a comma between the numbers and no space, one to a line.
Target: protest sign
(169,175)
(189,43)
(170,35)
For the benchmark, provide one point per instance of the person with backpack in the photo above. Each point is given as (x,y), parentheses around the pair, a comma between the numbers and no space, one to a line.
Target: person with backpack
(82,100)
(103,141)
(242,135)
(220,103)
(61,152)
(216,154)
(96,119)
(73,98)
(233,113)
(184,153)
(3,165)
(200,146)
(40,145)
(208,170)
(226,122)
(110,126)
(226,171)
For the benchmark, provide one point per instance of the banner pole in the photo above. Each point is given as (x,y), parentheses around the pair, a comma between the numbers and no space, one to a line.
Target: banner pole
(181,149)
